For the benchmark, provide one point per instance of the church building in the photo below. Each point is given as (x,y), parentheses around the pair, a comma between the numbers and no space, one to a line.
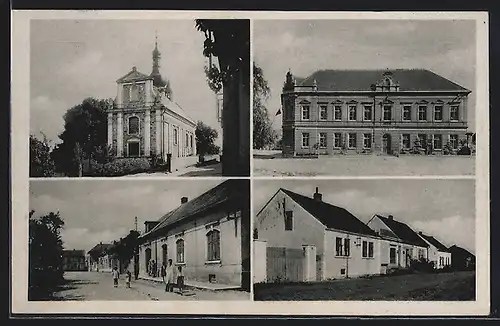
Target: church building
(145,121)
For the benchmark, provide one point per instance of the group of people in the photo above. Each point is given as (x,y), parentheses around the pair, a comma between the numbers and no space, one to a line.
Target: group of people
(171,277)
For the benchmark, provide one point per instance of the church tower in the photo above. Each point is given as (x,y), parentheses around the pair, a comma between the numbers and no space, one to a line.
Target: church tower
(158,80)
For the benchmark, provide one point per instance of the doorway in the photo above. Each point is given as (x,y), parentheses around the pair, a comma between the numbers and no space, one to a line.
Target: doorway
(386,144)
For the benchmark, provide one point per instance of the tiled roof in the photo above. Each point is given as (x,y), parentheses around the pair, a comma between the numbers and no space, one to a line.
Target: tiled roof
(331,216)
(229,192)
(174,107)
(99,249)
(361,80)
(440,247)
(403,231)
(459,250)
(133,75)
(74,253)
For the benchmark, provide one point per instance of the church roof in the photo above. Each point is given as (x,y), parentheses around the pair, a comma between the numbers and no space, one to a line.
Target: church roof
(176,108)
(133,75)
(361,80)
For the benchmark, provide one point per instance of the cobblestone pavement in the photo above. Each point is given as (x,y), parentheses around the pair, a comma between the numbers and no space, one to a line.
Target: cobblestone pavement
(99,286)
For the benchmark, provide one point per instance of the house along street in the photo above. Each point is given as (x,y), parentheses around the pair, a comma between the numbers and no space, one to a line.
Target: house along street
(85,286)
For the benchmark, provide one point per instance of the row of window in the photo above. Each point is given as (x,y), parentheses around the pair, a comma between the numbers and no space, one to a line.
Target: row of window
(133,129)
(387,114)
(343,248)
(444,262)
(437,140)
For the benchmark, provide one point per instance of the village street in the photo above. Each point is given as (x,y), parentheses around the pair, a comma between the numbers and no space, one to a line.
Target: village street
(84,286)
(271,163)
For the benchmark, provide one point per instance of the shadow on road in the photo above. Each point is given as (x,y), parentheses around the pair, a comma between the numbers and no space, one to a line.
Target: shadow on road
(209,170)
(267,156)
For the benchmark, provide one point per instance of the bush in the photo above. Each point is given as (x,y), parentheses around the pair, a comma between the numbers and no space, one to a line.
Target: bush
(464,151)
(121,166)
(422,265)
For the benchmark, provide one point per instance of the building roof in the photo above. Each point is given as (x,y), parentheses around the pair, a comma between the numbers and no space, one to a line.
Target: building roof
(459,250)
(229,192)
(331,216)
(403,231)
(133,75)
(435,242)
(74,253)
(176,108)
(361,80)
(99,249)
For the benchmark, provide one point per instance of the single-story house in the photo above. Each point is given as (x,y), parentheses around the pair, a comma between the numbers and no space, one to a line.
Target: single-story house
(438,253)
(98,259)
(461,258)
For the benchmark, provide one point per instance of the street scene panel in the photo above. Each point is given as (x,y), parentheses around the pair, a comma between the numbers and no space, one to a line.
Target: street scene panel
(364,97)
(139,98)
(400,240)
(139,240)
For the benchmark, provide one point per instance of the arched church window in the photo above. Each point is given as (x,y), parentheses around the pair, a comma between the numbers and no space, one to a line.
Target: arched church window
(133,125)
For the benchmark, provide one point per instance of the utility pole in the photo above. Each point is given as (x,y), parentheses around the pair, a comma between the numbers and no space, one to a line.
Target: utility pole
(135,222)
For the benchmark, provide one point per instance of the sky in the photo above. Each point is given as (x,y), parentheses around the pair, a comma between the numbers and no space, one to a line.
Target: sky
(75,59)
(446,47)
(100,210)
(444,209)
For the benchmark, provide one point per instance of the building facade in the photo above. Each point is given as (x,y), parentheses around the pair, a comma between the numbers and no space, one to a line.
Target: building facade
(438,253)
(372,111)
(74,260)
(98,259)
(144,120)
(208,236)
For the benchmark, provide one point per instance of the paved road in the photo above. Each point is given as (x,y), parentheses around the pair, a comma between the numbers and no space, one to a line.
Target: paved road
(99,286)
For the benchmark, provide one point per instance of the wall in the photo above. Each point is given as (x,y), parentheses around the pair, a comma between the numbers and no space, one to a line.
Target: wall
(227,270)
(259,263)
(270,223)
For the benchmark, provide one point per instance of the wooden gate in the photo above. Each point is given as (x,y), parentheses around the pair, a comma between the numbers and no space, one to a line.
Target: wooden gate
(285,264)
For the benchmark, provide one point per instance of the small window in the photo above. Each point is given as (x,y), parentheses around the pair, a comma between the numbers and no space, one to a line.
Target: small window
(367,116)
(352,112)
(406,113)
(352,140)
(370,250)
(387,113)
(337,139)
(454,141)
(421,253)
(392,256)
(422,113)
(323,112)
(213,245)
(422,139)
(305,112)
(438,113)
(289,221)
(454,113)
(191,141)
(176,136)
(187,140)
(365,249)
(347,247)
(305,139)
(180,251)
(367,141)
(133,125)
(406,141)
(338,246)
(438,141)
(337,113)
(322,139)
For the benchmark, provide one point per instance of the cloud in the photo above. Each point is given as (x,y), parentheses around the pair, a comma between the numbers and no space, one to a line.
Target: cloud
(83,238)
(47,117)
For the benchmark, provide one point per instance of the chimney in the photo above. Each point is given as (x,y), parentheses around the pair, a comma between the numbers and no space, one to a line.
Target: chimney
(420,232)
(391,217)
(184,200)
(317,196)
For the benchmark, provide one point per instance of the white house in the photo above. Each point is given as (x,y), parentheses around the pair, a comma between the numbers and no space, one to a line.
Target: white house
(334,243)
(209,236)
(402,243)
(438,252)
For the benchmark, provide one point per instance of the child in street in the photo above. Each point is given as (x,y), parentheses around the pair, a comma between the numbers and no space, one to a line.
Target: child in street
(180,280)
(115,277)
(128,278)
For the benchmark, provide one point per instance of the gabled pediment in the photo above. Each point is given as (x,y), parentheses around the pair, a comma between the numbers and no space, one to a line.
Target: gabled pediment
(422,102)
(337,101)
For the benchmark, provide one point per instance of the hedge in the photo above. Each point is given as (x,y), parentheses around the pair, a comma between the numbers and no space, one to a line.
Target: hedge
(121,167)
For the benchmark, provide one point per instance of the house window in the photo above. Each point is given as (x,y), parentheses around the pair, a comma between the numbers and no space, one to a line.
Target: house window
(133,148)
(454,113)
(305,112)
(438,113)
(370,249)
(392,256)
(176,136)
(305,139)
(387,113)
(213,245)
(164,255)
(337,139)
(133,125)
(323,112)
(441,261)
(367,140)
(352,112)
(338,246)
(406,113)
(347,247)
(454,141)
(337,113)
(422,113)
(352,140)
(406,141)
(367,116)
(322,139)
(187,141)
(438,141)
(179,244)
(422,139)
(191,141)
(421,253)
(289,221)
(364,249)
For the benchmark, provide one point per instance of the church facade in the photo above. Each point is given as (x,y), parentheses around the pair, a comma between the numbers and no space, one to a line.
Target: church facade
(144,121)
(372,111)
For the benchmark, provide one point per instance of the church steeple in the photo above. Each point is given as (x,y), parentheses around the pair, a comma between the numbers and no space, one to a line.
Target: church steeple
(156,58)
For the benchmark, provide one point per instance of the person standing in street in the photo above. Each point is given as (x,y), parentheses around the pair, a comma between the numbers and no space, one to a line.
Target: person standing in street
(169,277)
(180,280)
(128,278)
(115,277)
(163,272)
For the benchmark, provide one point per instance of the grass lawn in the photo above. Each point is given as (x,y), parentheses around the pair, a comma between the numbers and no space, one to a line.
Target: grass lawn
(456,286)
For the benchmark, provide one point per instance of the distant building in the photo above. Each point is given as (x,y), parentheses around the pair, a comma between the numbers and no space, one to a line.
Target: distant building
(98,259)
(209,236)
(74,260)
(438,253)
(462,259)
(372,111)
(145,121)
